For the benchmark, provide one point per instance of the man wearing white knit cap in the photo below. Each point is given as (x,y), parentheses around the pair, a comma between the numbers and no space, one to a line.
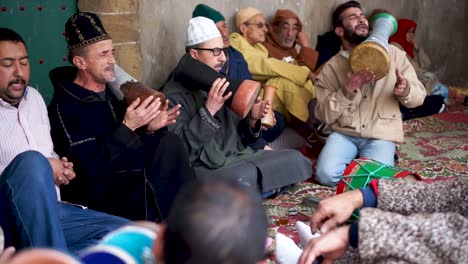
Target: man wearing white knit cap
(212,132)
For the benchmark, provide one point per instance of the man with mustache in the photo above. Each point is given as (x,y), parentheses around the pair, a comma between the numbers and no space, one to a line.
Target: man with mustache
(284,33)
(295,88)
(211,131)
(363,113)
(32,213)
(128,163)
(236,67)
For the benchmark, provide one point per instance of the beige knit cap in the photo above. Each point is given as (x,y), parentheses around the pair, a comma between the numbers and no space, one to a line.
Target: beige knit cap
(245,14)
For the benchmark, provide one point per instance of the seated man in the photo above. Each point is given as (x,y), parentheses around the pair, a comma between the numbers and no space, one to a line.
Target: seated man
(128,164)
(285,31)
(401,222)
(363,113)
(295,89)
(210,130)
(236,68)
(31,212)
(223,222)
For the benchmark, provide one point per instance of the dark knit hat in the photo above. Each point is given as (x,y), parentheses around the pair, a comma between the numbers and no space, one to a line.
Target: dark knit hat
(208,12)
(83,29)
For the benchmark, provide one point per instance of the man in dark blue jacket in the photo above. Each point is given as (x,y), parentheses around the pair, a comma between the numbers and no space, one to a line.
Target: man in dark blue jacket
(128,163)
(236,67)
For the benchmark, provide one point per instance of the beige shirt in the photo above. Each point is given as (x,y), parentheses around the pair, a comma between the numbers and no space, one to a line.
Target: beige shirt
(374,112)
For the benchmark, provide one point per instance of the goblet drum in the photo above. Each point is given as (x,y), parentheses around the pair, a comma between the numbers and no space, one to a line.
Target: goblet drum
(193,73)
(372,54)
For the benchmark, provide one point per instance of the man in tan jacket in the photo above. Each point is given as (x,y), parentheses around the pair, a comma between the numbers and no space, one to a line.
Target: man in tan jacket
(363,113)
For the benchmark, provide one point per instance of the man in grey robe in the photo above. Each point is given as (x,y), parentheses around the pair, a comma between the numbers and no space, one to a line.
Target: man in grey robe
(212,132)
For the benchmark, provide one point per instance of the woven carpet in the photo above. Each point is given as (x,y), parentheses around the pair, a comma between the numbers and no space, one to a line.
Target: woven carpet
(436,147)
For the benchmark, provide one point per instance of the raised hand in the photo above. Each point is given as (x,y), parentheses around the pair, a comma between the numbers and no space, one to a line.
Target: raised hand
(140,114)
(215,99)
(330,246)
(401,87)
(356,81)
(302,39)
(335,210)
(164,117)
(63,170)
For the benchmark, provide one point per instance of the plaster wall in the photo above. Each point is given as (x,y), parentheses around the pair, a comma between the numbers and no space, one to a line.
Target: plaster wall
(441,29)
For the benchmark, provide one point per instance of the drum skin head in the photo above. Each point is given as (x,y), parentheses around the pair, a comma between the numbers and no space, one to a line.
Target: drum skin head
(372,56)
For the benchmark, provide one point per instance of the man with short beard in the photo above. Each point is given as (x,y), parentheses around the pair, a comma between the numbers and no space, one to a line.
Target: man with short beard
(284,33)
(128,163)
(363,113)
(211,131)
(32,213)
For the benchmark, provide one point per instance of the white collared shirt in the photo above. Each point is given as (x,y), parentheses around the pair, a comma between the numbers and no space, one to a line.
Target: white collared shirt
(25,127)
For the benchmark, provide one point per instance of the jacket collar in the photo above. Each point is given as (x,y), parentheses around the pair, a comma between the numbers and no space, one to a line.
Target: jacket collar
(62,79)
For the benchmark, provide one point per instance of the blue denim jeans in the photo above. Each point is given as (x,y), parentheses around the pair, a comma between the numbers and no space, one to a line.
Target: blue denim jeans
(340,150)
(31,216)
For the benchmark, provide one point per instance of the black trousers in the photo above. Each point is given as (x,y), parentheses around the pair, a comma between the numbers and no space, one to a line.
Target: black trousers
(143,181)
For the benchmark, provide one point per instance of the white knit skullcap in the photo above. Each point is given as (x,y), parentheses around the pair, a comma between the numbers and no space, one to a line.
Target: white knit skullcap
(201,29)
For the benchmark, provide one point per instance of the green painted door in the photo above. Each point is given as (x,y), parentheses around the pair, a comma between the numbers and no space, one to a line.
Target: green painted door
(41,24)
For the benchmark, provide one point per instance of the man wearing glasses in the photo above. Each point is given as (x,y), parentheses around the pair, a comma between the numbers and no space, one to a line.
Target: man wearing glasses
(211,131)
(295,88)
(284,33)
(236,68)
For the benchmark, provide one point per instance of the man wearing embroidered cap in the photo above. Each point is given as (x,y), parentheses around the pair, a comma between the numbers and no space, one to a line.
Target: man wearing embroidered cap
(211,131)
(295,88)
(236,67)
(126,161)
(32,213)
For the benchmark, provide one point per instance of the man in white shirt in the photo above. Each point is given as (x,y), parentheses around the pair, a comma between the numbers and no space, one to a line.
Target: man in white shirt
(31,213)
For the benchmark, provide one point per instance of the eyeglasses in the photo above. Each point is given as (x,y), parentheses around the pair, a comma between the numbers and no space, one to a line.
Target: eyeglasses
(216,51)
(259,25)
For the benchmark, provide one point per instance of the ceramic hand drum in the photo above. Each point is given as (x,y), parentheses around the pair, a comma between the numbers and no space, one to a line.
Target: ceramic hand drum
(193,73)
(132,90)
(269,95)
(373,52)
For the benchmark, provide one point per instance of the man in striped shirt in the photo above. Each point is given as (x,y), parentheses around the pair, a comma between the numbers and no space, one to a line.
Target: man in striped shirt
(31,212)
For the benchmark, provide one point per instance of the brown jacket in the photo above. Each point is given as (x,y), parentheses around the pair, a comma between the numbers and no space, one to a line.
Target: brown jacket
(307,56)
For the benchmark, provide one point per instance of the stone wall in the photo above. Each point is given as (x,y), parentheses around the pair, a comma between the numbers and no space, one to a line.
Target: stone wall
(149,35)
(121,21)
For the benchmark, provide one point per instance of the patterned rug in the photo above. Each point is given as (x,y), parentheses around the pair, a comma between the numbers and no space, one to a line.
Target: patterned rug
(436,147)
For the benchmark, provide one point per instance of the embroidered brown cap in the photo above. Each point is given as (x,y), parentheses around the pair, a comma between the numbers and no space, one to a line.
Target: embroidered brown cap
(83,29)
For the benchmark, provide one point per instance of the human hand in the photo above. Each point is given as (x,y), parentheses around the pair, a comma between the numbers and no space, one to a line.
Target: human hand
(302,39)
(63,170)
(215,99)
(330,246)
(164,117)
(138,115)
(312,76)
(259,110)
(356,81)
(402,86)
(335,210)
(7,255)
